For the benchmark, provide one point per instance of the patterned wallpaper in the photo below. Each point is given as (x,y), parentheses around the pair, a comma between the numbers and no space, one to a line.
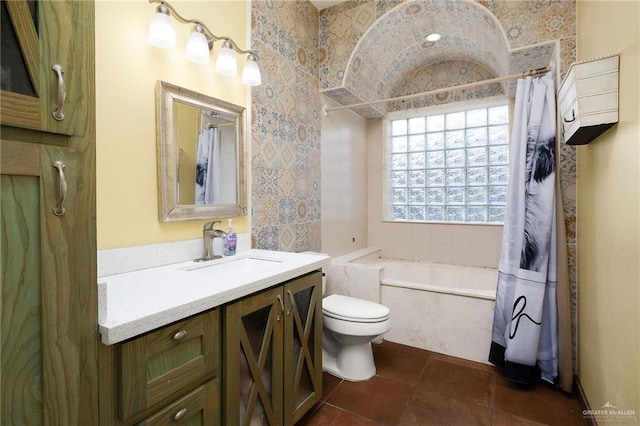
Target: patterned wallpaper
(366,49)
(285,127)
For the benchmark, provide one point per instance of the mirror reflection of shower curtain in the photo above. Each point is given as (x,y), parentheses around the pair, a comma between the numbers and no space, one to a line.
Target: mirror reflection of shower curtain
(208,167)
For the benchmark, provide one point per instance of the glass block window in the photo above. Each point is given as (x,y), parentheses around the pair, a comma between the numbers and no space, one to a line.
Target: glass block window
(449,167)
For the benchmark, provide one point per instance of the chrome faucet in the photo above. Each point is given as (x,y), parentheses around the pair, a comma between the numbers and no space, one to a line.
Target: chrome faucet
(208,235)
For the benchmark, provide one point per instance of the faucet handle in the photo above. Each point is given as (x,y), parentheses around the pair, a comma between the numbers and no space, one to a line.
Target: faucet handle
(209,225)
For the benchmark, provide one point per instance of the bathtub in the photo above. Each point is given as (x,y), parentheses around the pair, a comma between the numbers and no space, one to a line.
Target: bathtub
(438,307)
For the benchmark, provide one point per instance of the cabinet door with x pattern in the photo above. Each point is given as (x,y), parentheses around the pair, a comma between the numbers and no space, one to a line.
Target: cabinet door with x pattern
(253,360)
(302,346)
(273,354)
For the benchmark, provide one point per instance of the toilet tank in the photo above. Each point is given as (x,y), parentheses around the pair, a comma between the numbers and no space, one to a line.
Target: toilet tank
(324,276)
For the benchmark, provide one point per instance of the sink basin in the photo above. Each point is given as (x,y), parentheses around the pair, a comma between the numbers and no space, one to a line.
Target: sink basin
(233,265)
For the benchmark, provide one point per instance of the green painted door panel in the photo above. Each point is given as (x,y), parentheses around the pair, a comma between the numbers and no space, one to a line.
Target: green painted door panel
(21,319)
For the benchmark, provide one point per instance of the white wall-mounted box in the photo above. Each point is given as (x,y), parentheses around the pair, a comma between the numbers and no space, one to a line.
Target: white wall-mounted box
(588,99)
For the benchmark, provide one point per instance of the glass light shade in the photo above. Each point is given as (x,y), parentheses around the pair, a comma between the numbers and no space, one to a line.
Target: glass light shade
(251,73)
(161,31)
(197,48)
(226,63)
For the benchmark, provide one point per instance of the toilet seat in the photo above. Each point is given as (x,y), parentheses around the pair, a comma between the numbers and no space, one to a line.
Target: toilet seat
(350,309)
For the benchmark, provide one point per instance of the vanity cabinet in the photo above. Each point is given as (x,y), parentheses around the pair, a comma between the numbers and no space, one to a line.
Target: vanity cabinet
(273,354)
(170,375)
(48,308)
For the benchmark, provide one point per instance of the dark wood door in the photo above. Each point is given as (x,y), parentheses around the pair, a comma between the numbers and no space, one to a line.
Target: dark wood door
(254,360)
(303,346)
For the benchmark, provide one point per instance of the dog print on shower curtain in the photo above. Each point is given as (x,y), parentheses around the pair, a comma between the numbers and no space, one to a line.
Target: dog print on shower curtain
(537,226)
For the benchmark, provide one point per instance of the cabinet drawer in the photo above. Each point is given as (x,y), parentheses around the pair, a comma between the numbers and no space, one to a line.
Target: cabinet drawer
(199,407)
(153,367)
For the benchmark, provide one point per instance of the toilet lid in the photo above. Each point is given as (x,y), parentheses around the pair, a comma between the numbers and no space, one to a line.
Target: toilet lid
(351,309)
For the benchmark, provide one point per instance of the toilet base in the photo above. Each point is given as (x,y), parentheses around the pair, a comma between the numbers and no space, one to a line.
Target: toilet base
(352,362)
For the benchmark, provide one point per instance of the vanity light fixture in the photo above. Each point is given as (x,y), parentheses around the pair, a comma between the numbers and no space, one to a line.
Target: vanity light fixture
(201,40)
(251,72)
(197,50)
(161,31)
(226,63)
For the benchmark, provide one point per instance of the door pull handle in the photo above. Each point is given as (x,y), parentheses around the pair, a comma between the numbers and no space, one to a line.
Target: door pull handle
(62,93)
(59,210)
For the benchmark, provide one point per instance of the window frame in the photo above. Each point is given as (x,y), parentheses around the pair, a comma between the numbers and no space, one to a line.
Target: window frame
(430,111)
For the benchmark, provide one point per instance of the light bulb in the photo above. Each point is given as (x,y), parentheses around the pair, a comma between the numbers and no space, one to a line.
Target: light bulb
(251,72)
(226,63)
(197,50)
(161,31)
(433,37)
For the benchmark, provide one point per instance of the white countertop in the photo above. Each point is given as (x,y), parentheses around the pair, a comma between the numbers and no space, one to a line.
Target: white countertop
(133,303)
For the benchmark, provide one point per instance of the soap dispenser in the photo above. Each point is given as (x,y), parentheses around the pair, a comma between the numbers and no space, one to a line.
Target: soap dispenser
(231,241)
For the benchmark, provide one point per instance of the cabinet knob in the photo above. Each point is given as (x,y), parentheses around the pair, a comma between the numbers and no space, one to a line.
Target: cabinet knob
(180,415)
(179,335)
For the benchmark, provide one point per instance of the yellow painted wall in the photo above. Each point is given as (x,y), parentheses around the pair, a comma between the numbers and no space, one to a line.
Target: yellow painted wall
(127,69)
(609,221)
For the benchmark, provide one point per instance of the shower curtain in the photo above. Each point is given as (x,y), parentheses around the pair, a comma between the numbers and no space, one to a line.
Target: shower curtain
(208,167)
(525,325)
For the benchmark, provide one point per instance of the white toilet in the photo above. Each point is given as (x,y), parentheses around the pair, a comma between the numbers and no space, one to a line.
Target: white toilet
(350,325)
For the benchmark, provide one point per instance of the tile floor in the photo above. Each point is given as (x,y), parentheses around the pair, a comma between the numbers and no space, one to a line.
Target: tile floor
(418,387)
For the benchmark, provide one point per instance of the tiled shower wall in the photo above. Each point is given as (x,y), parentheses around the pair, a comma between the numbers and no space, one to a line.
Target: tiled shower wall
(285,127)
(302,52)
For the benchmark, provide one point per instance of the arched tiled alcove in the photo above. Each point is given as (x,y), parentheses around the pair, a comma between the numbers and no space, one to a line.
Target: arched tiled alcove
(393,51)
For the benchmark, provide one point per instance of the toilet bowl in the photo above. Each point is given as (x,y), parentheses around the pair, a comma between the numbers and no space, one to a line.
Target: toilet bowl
(350,325)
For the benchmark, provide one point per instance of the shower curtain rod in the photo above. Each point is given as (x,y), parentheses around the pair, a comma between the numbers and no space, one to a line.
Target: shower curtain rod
(215,126)
(530,73)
